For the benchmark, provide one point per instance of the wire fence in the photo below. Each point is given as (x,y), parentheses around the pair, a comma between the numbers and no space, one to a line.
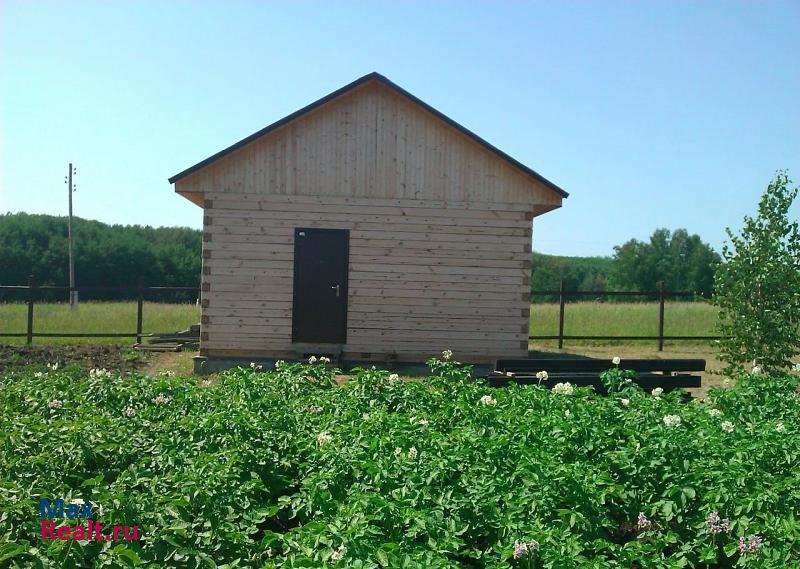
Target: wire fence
(33,293)
(660,295)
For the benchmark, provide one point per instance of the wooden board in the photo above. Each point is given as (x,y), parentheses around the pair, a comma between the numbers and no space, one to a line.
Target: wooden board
(370,143)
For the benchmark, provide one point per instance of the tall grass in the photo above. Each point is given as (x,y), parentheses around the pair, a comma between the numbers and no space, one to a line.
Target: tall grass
(94,317)
(623,319)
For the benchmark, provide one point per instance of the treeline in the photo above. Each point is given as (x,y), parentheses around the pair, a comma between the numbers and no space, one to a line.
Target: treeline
(679,260)
(115,255)
(105,255)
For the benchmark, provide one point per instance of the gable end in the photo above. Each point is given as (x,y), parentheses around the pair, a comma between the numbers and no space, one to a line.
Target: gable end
(347,88)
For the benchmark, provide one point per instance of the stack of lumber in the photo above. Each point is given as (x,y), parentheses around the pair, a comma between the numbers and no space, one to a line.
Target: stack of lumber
(667,374)
(171,341)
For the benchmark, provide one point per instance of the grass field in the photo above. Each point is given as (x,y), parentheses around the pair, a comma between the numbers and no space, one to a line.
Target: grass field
(94,317)
(584,318)
(623,319)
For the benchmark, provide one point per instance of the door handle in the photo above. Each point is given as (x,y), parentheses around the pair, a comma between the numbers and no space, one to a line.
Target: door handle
(337,290)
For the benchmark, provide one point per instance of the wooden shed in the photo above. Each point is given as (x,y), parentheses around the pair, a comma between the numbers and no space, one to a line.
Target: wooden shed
(367,226)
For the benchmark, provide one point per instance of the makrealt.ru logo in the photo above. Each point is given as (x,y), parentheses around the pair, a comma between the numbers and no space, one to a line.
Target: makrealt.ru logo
(78,509)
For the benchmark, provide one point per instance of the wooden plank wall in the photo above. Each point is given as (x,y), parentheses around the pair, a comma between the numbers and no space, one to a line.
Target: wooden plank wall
(369,143)
(424,276)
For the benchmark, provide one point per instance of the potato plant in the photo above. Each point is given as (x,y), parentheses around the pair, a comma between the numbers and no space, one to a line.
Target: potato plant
(285,469)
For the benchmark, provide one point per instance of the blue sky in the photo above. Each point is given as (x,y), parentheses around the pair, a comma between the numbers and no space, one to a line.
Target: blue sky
(651,114)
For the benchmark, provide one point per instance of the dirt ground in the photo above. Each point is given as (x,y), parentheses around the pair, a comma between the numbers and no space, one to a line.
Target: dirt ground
(179,362)
(87,356)
(126,359)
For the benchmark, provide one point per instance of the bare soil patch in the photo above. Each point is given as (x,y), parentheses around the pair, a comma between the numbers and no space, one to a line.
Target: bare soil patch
(180,363)
(123,358)
(88,356)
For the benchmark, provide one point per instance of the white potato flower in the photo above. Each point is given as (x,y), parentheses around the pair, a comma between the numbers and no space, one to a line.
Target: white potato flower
(563,388)
(323,438)
(541,375)
(447,354)
(324,360)
(488,400)
(615,360)
(625,402)
(312,360)
(715,413)
(412,453)
(780,427)
(279,364)
(161,399)
(727,426)
(394,377)
(338,554)
(671,420)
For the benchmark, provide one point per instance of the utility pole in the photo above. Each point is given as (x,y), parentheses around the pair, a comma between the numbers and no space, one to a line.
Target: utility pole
(73,294)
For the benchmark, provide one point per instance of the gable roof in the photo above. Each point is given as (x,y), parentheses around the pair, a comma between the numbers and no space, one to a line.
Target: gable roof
(374,76)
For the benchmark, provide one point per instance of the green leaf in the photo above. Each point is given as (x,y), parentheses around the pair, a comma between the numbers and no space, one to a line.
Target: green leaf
(127,555)
(10,550)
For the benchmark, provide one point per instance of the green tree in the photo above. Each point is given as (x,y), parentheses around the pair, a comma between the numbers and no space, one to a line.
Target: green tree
(578,273)
(758,285)
(680,260)
(105,255)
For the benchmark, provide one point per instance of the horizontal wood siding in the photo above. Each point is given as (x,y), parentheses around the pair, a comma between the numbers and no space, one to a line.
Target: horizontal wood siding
(423,277)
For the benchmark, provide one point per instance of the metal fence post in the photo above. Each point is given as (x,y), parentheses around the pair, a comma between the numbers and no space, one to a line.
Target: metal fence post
(661,316)
(139,308)
(31,286)
(561,316)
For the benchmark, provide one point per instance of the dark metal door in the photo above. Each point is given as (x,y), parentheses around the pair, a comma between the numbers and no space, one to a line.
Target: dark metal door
(319,308)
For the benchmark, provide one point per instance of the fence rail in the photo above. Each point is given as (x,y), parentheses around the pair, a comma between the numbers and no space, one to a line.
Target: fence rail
(139,289)
(662,294)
